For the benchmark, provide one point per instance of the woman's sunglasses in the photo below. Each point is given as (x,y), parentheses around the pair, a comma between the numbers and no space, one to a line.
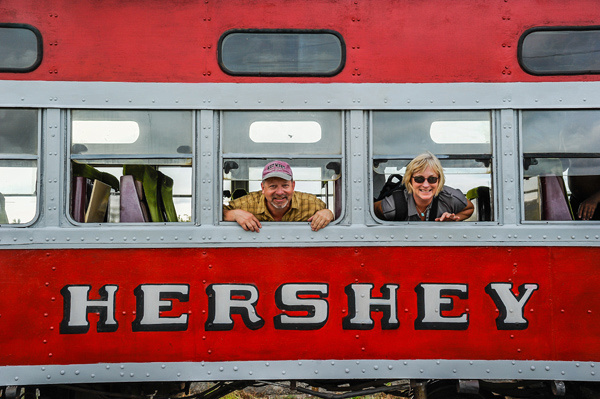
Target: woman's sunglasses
(421,179)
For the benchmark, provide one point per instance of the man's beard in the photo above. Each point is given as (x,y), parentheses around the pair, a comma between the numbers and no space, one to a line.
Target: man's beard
(276,206)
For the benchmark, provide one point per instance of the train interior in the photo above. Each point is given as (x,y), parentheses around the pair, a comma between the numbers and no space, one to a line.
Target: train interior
(560,163)
(125,170)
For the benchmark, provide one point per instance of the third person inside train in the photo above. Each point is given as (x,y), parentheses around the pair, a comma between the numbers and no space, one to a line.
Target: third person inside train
(423,195)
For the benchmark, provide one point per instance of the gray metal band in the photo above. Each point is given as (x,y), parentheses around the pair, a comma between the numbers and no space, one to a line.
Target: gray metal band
(357,227)
(300,370)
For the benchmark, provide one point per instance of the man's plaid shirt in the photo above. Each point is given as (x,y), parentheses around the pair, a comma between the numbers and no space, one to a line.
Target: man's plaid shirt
(304,205)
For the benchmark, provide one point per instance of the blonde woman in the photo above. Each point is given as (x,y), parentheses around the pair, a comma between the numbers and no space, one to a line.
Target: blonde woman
(424,196)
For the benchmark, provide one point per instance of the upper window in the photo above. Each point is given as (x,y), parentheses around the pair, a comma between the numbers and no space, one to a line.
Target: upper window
(20,48)
(18,165)
(282,53)
(460,139)
(560,50)
(125,168)
(561,164)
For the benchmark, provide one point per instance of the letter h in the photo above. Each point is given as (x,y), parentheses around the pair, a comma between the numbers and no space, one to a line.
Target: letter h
(77,305)
(361,304)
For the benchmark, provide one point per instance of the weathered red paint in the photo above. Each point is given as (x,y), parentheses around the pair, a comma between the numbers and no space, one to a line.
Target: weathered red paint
(387,42)
(562,314)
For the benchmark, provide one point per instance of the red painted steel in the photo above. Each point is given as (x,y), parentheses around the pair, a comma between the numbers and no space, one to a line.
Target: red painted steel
(562,313)
(387,41)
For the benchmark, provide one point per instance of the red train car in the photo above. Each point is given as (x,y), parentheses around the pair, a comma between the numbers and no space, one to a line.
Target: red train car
(190,99)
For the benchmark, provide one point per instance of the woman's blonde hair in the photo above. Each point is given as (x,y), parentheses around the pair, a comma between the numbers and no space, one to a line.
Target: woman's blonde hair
(418,165)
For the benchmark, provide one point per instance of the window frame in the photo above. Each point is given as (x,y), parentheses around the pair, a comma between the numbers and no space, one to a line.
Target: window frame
(529,31)
(527,156)
(287,158)
(334,72)
(70,157)
(491,157)
(39,48)
(29,157)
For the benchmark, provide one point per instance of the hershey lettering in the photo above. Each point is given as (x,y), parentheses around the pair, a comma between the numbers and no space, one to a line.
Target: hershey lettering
(303,306)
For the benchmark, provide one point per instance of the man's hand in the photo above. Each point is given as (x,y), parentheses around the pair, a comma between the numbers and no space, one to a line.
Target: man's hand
(320,219)
(588,207)
(247,220)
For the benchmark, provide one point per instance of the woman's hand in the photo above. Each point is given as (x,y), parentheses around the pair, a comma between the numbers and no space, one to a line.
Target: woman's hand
(448,217)
(462,215)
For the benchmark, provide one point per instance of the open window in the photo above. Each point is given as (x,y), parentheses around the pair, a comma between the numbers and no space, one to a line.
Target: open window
(131,166)
(460,139)
(311,142)
(561,163)
(19,132)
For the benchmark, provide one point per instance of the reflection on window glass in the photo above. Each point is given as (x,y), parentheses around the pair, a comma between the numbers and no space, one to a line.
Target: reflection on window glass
(18,165)
(285,132)
(131,166)
(18,201)
(105,132)
(242,130)
(159,132)
(556,51)
(282,53)
(440,132)
(561,164)
(460,139)
(20,48)
(18,131)
(460,132)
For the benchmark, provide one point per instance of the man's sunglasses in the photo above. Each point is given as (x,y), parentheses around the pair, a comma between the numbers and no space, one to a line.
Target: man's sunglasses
(421,179)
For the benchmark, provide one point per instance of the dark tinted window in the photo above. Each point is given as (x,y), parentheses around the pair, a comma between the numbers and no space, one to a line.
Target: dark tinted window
(20,48)
(282,53)
(18,131)
(560,51)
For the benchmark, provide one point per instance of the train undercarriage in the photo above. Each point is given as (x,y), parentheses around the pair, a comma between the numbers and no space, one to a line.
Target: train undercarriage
(414,389)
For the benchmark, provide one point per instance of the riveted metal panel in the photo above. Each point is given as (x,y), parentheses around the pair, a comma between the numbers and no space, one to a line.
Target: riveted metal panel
(303,369)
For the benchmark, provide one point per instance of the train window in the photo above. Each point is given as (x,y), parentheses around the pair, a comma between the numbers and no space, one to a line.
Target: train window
(561,164)
(19,131)
(20,48)
(460,139)
(125,169)
(311,142)
(560,51)
(282,53)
